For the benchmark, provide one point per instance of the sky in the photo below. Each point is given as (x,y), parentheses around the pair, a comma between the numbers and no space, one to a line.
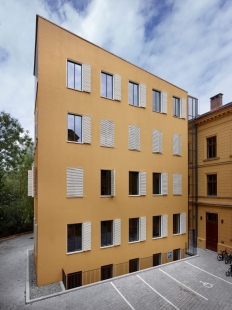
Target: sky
(186,42)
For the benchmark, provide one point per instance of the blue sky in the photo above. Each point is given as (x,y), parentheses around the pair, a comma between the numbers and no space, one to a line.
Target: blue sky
(187,43)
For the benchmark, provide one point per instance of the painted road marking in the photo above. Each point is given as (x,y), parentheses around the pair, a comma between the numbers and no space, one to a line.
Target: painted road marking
(122,296)
(183,284)
(158,293)
(208,285)
(209,273)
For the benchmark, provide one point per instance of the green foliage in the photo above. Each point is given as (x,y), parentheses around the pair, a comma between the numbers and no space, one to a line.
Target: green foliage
(16,158)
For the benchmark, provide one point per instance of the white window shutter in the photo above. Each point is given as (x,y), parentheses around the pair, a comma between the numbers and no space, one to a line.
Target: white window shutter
(183,223)
(177,184)
(164,103)
(113,183)
(164,183)
(86,78)
(183,108)
(157,141)
(117,232)
(134,137)
(86,129)
(179,145)
(142,93)
(30,183)
(103,133)
(110,134)
(117,87)
(137,138)
(74,182)
(164,225)
(86,236)
(175,144)
(34,181)
(143,182)
(142,228)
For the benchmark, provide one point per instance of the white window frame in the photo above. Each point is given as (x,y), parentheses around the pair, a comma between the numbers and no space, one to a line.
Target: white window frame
(179,219)
(139,223)
(161,227)
(139,184)
(141,88)
(82,243)
(162,176)
(84,88)
(114,76)
(83,118)
(113,234)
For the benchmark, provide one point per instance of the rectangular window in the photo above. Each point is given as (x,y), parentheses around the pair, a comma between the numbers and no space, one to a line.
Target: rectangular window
(133,229)
(156,259)
(74,128)
(156,183)
(133,183)
(177,184)
(74,235)
(105,182)
(134,137)
(107,133)
(106,233)
(133,265)
(74,280)
(176,106)
(176,254)
(106,85)
(211,147)
(106,272)
(176,224)
(156,101)
(212,185)
(74,75)
(156,227)
(134,94)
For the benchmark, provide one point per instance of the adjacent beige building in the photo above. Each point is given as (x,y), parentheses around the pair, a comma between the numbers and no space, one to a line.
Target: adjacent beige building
(110,174)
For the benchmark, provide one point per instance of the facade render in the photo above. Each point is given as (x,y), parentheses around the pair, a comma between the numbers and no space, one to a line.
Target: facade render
(214,170)
(110,174)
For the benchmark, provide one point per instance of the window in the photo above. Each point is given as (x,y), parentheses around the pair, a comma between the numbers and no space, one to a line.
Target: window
(156,259)
(156,227)
(107,133)
(156,100)
(74,233)
(211,147)
(156,141)
(106,272)
(107,183)
(176,254)
(134,138)
(74,280)
(106,233)
(133,183)
(156,183)
(133,265)
(106,85)
(79,128)
(134,94)
(177,184)
(177,145)
(78,76)
(176,106)
(212,185)
(176,224)
(133,229)
(74,182)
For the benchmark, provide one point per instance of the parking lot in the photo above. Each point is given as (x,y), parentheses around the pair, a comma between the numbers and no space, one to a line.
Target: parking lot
(196,283)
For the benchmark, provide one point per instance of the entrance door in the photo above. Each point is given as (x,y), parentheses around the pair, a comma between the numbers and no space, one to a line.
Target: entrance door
(211,231)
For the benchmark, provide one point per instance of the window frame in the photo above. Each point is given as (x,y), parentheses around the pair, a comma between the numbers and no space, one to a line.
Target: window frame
(212,182)
(138,229)
(179,102)
(159,255)
(101,195)
(112,234)
(160,181)
(75,63)
(81,142)
(214,145)
(107,74)
(138,99)
(160,99)
(82,244)
(139,186)
(160,226)
(177,215)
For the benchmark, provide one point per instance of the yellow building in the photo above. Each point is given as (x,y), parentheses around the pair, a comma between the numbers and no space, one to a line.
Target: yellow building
(214,143)
(111,163)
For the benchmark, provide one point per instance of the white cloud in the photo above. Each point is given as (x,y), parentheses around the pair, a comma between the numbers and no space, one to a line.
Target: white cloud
(190,46)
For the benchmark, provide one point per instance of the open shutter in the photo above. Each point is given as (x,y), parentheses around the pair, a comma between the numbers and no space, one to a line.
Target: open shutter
(142,92)
(30,183)
(183,108)
(142,228)
(86,236)
(103,133)
(117,232)
(86,129)
(131,137)
(74,182)
(117,87)
(164,225)
(86,78)
(164,183)
(113,183)
(157,141)
(34,181)
(183,223)
(175,144)
(164,97)
(110,134)
(143,183)
(177,184)
(137,138)
(173,106)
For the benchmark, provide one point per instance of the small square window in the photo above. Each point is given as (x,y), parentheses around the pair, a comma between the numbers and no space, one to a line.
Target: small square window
(106,233)
(106,85)
(133,229)
(212,185)
(133,265)
(156,101)
(176,106)
(106,272)
(156,183)
(74,237)
(156,227)
(74,75)
(134,94)
(105,182)
(74,128)
(211,147)
(176,224)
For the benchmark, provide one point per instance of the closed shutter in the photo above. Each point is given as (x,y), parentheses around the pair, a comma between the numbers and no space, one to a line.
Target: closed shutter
(113,183)
(143,183)
(183,223)
(86,236)
(142,93)
(134,137)
(173,106)
(86,78)
(142,228)
(164,183)
(164,97)
(137,138)
(117,232)
(29,183)
(34,181)
(179,145)
(164,225)
(117,87)
(74,182)
(103,134)
(86,129)
(177,184)
(176,144)
(183,108)
(110,134)
(157,141)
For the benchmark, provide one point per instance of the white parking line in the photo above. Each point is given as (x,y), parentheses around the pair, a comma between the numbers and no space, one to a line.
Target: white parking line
(183,284)
(158,293)
(122,296)
(209,273)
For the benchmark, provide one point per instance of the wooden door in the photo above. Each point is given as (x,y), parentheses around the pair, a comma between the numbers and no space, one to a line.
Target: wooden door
(211,231)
